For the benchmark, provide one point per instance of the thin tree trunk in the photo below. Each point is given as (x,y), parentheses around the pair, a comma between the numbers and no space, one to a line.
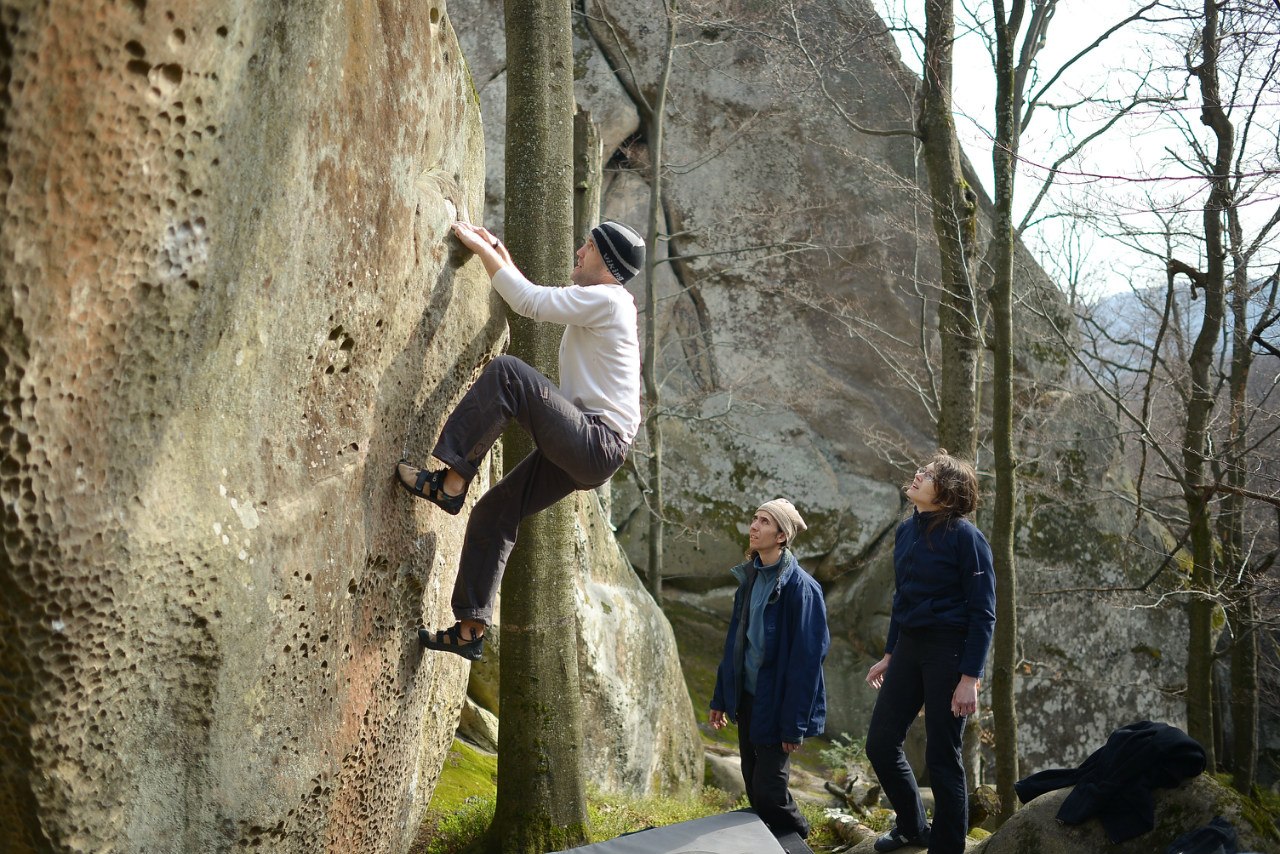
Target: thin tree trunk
(656,121)
(1244,695)
(541,802)
(587,157)
(587,160)
(1243,690)
(955,209)
(1195,446)
(1005,657)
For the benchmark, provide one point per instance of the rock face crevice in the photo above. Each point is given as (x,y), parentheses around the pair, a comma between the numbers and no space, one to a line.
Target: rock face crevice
(229,304)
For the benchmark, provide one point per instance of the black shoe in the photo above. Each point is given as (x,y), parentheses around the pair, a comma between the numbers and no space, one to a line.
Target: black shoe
(895,839)
(430,485)
(450,640)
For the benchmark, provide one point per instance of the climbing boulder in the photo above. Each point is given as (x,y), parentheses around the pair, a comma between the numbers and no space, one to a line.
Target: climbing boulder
(230,302)
(1035,827)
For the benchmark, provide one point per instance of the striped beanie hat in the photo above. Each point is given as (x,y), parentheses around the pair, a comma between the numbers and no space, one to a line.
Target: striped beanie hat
(621,248)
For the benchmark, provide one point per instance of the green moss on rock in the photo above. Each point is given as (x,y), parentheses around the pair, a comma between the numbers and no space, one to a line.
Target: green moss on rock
(467,773)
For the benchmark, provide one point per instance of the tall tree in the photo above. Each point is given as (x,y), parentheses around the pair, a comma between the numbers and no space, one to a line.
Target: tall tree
(1020,33)
(1255,27)
(1010,77)
(1210,284)
(955,222)
(541,792)
(1240,608)
(654,118)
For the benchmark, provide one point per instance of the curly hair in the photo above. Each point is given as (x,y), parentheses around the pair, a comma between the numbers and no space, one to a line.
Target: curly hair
(955,484)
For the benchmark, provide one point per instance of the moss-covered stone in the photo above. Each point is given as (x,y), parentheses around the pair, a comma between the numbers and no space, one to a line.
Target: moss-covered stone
(467,773)
(1034,829)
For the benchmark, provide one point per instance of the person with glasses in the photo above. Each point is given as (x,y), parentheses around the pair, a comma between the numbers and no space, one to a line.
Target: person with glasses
(770,677)
(940,631)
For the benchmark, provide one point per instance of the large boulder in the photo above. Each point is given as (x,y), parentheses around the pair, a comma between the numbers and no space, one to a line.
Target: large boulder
(1034,829)
(229,304)
(640,734)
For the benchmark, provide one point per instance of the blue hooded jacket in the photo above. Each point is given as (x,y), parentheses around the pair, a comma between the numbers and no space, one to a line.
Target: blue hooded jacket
(791,697)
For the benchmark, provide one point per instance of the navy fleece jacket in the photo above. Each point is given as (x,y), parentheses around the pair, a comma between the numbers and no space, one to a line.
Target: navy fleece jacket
(944,579)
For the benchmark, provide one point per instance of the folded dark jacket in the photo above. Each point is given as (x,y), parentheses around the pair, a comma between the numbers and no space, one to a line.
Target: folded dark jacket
(1115,783)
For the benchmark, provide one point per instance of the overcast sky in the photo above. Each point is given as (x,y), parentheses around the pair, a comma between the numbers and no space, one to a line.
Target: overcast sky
(1119,171)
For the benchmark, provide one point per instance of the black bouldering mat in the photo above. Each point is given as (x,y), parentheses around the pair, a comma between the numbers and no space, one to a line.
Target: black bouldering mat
(740,832)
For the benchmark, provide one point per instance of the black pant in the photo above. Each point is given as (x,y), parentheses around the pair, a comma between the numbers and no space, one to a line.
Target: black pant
(923,672)
(766,770)
(573,451)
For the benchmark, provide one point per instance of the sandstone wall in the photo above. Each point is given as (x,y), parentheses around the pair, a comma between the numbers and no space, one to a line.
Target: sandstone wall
(228,307)
(639,729)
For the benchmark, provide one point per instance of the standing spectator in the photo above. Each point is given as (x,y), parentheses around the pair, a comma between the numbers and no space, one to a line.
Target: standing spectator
(770,679)
(939,634)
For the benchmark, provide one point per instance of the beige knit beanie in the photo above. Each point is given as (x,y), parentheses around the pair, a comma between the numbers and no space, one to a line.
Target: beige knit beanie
(785,514)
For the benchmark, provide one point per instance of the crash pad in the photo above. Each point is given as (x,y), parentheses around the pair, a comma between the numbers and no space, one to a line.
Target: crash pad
(739,832)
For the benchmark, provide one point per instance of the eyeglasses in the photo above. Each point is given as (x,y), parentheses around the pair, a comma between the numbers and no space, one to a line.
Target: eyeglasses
(925,474)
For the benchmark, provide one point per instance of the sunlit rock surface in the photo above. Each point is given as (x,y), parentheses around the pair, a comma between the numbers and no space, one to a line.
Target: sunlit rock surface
(229,305)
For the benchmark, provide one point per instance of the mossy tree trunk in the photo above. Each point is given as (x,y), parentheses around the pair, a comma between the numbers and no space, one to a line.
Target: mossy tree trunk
(1210,283)
(541,791)
(954,207)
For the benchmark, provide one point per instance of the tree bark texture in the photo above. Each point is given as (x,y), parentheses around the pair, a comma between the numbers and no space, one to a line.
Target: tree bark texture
(1195,446)
(1005,659)
(1242,605)
(541,802)
(955,209)
(655,129)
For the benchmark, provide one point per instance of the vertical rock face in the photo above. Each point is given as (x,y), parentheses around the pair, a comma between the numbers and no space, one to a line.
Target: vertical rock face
(228,306)
(641,735)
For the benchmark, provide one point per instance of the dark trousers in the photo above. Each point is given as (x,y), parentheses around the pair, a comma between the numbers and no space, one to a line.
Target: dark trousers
(573,451)
(766,770)
(923,672)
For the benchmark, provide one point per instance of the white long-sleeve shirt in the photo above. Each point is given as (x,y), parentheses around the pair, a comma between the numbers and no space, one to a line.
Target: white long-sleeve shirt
(600,350)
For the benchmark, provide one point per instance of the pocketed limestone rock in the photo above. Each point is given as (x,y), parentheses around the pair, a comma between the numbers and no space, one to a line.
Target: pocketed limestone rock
(230,303)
